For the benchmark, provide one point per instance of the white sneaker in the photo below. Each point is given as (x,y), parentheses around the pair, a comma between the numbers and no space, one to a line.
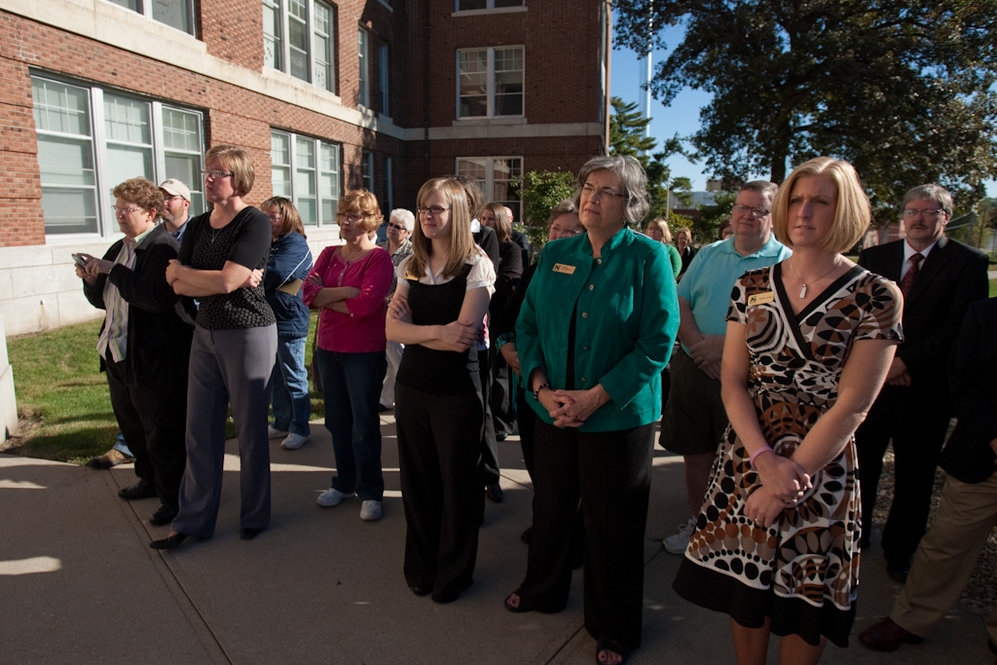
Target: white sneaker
(329,498)
(274,433)
(676,543)
(370,510)
(294,441)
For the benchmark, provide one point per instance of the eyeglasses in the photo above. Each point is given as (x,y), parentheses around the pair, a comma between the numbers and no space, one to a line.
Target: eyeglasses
(215,174)
(121,212)
(435,211)
(275,216)
(590,191)
(929,213)
(749,210)
(171,197)
(396,227)
(351,217)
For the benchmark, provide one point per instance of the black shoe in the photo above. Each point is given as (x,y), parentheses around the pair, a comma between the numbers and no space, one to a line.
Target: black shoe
(248,533)
(165,514)
(525,536)
(170,542)
(143,489)
(452,592)
(420,590)
(494,492)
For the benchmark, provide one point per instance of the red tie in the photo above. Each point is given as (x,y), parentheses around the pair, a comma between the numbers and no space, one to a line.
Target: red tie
(911,275)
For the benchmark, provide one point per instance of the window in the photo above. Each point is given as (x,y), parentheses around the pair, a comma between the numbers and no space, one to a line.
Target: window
(367,171)
(490,82)
(90,140)
(306,171)
(307,51)
(176,13)
(363,60)
(383,77)
(468,5)
(495,176)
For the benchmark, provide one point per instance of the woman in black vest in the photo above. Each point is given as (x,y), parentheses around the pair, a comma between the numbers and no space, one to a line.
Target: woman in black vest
(437,313)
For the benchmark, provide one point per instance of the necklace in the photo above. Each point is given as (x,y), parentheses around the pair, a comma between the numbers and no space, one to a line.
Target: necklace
(803,289)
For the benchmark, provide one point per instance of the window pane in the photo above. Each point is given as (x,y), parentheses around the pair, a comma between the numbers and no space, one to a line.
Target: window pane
(176,13)
(186,168)
(181,130)
(280,177)
(60,108)
(508,3)
(126,120)
(134,5)
(509,81)
(69,210)
(383,78)
(272,46)
(464,5)
(65,161)
(473,69)
(322,47)
(297,38)
(280,148)
(363,58)
(124,162)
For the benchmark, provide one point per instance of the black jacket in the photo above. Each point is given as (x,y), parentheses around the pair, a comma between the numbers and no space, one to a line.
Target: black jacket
(160,323)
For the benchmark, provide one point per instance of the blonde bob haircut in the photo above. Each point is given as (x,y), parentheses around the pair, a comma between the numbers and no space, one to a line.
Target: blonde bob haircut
(365,203)
(235,159)
(851,214)
(462,247)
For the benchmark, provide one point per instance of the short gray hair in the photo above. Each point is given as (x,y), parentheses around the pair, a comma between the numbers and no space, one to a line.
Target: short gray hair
(404,217)
(936,193)
(761,186)
(633,180)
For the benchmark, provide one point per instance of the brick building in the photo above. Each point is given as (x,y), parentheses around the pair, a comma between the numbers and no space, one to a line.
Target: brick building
(326,96)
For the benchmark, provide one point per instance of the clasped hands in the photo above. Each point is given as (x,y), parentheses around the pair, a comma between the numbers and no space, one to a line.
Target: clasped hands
(571,408)
(783,483)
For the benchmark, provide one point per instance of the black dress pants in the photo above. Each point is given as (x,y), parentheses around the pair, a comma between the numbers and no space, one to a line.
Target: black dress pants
(610,473)
(439,439)
(917,428)
(152,419)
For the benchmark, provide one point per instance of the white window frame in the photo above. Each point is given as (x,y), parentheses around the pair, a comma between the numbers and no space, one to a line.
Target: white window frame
(277,49)
(490,82)
(490,7)
(294,168)
(147,9)
(487,180)
(105,223)
(367,170)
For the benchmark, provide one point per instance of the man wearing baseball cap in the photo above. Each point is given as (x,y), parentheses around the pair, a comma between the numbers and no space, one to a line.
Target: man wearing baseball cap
(176,199)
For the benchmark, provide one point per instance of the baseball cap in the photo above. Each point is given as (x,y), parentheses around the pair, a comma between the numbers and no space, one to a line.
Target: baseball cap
(176,188)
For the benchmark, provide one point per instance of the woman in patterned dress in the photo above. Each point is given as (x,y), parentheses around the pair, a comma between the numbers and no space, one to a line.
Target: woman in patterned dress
(808,345)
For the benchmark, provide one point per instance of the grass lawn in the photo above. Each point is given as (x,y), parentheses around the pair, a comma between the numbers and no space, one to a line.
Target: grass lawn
(62,399)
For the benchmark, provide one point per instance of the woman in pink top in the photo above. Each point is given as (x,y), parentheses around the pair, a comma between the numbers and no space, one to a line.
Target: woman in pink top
(349,284)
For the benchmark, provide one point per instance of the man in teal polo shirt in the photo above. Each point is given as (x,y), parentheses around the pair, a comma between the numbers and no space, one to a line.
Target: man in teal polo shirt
(694,419)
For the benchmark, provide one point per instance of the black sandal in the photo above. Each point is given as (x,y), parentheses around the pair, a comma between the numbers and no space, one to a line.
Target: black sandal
(521,606)
(609,646)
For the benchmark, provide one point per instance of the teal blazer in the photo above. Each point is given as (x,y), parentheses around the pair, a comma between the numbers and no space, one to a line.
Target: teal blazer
(626,316)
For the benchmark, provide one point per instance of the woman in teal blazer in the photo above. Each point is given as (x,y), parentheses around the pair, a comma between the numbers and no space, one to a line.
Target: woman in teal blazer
(595,331)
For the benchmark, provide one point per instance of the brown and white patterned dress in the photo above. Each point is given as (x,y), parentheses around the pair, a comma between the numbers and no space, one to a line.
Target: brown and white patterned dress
(803,570)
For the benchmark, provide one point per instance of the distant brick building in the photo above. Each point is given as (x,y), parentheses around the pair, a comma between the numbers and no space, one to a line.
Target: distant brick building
(326,96)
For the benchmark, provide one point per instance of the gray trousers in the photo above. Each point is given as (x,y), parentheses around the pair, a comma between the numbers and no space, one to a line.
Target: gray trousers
(227,366)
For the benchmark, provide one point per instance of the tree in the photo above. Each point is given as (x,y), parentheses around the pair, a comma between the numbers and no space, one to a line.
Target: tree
(905,91)
(540,191)
(628,136)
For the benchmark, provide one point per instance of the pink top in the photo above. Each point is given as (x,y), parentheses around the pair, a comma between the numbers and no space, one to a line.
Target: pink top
(362,330)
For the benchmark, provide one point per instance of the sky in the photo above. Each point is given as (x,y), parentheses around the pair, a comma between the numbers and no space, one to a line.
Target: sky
(629,72)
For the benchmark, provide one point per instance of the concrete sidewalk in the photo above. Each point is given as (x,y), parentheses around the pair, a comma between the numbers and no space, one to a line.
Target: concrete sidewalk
(79,584)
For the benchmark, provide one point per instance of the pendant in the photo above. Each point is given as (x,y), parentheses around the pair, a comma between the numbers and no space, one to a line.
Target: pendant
(803,292)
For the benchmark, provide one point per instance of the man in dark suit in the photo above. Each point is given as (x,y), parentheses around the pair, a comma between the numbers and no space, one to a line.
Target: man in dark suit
(940,278)
(968,510)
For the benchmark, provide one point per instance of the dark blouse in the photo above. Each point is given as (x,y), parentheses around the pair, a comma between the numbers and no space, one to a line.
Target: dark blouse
(246,241)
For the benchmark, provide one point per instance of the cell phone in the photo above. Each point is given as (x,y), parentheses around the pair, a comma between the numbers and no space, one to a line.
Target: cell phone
(80,259)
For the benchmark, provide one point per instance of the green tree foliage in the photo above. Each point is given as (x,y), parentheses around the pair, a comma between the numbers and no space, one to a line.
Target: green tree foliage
(904,90)
(540,191)
(628,136)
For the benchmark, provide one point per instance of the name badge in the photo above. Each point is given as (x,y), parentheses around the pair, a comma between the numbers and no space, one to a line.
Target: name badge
(409,275)
(567,270)
(761,298)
